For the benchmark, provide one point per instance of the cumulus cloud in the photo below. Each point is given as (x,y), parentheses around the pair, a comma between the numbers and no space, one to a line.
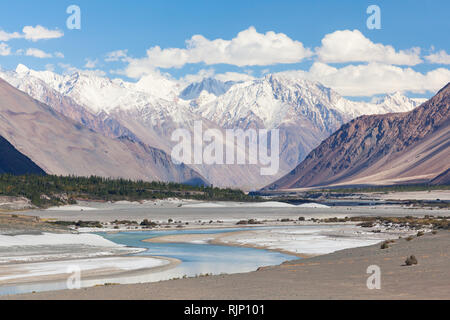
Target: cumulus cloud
(248,48)
(210,73)
(59,55)
(118,55)
(69,69)
(90,64)
(376,78)
(440,57)
(37,53)
(352,46)
(40,33)
(234,76)
(5,50)
(5,36)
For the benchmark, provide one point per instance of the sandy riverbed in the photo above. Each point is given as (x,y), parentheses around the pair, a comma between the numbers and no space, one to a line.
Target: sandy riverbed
(339,275)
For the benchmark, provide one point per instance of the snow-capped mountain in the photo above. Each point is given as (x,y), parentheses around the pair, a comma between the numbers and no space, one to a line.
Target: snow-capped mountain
(209,85)
(279,98)
(149,110)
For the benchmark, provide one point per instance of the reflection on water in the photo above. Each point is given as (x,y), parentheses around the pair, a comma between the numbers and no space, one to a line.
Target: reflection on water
(196,259)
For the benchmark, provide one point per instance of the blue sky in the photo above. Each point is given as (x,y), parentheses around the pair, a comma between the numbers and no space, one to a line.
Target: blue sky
(136,26)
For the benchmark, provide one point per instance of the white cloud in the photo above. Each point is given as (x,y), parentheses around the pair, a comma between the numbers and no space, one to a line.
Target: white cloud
(69,69)
(440,57)
(352,46)
(210,73)
(234,76)
(117,55)
(40,33)
(37,53)
(197,77)
(50,67)
(248,48)
(59,55)
(5,36)
(375,78)
(5,50)
(90,64)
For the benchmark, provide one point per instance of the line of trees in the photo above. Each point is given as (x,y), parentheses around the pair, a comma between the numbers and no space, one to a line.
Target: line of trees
(51,190)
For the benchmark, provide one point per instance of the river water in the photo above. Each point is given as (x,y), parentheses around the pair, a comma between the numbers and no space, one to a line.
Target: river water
(196,259)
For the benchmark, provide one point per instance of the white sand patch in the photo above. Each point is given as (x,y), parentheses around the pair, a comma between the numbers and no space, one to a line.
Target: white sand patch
(55,239)
(71,208)
(268,204)
(313,205)
(204,205)
(307,240)
(232,204)
(113,264)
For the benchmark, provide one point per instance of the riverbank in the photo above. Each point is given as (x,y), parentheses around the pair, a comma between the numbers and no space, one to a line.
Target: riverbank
(338,275)
(40,257)
(302,241)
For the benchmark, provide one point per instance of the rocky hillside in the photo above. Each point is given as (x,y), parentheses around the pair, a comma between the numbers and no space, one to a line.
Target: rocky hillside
(380,149)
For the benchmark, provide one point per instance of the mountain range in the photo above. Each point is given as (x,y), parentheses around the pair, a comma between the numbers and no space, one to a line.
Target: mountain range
(60,145)
(394,148)
(143,115)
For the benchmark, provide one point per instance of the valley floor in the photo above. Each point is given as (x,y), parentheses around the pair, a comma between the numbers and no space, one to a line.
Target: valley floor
(338,275)
(335,255)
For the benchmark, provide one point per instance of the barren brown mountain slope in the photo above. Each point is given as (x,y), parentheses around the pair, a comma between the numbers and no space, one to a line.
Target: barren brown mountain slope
(60,145)
(385,149)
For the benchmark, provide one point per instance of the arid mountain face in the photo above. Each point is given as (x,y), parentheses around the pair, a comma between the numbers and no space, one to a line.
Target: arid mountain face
(60,145)
(14,162)
(394,148)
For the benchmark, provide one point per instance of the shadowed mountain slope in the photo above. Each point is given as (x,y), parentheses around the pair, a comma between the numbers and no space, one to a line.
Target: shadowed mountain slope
(14,162)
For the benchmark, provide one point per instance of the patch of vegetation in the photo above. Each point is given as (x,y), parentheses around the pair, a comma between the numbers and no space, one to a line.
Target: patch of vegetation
(79,224)
(411,260)
(124,222)
(407,221)
(383,189)
(148,224)
(52,190)
(249,221)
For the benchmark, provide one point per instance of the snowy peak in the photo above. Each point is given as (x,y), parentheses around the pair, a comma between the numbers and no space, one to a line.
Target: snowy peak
(159,86)
(22,68)
(397,102)
(210,85)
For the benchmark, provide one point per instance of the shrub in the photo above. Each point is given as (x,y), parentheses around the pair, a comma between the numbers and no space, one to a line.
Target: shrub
(409,238)
(420,233)
(411,260)
(366,224)
(301,219)
(384,245)
(148,224)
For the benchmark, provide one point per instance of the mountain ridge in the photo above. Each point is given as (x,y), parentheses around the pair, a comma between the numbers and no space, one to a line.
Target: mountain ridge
(304,112)
(375,149)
